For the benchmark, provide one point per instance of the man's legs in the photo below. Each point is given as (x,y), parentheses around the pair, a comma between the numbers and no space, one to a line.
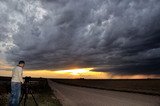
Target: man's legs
(15,93)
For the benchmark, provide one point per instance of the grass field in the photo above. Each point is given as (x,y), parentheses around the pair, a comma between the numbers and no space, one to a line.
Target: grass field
(45,97)
(145,86)
(41,91)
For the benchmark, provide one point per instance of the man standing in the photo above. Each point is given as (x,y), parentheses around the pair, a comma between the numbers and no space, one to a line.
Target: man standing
(16,81)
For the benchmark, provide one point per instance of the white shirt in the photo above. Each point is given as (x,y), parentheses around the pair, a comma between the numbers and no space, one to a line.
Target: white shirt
(17,74)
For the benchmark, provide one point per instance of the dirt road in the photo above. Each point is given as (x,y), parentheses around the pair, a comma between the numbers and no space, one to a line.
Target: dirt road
(80,96)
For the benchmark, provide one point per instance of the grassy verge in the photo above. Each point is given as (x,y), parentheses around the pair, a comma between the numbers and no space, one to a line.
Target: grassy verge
(3,99)
(40,89)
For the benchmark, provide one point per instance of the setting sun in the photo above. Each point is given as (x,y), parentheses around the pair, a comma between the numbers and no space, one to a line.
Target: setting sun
(75,71)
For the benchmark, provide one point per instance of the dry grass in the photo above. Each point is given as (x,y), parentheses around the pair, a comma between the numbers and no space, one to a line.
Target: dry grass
(41,91)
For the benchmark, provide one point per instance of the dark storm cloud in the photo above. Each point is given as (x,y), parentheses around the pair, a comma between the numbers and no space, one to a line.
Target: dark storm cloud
(122,37)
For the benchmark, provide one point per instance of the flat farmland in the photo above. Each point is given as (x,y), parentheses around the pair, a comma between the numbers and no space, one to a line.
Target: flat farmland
(144,86)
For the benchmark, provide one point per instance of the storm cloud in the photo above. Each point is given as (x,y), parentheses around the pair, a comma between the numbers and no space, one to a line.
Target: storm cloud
(117,36)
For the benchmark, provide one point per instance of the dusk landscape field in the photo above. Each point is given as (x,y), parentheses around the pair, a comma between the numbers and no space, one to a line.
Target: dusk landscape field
(144,86)
(46,96)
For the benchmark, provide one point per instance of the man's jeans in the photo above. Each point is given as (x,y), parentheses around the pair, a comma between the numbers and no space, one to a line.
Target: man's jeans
(15,94)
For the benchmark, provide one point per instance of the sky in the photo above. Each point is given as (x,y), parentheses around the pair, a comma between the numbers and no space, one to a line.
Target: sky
(115,38)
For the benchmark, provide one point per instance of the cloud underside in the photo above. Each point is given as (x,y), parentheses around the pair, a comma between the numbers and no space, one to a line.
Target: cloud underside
(121,37)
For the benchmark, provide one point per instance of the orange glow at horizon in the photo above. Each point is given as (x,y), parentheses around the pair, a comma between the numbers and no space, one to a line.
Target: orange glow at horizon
(76,73)
(72,73)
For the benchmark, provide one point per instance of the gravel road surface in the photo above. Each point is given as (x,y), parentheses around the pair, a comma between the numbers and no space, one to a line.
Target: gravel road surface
(81,96)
